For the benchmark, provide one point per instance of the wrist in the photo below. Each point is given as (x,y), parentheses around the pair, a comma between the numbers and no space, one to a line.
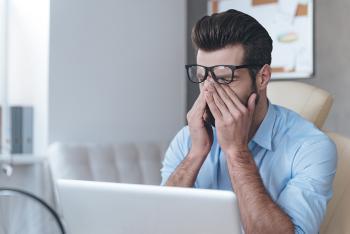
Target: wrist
(237,151)
(239,162)
(197,153)
(239,156)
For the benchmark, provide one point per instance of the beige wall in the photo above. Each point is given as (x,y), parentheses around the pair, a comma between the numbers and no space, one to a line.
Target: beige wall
(333,60)
(332,57)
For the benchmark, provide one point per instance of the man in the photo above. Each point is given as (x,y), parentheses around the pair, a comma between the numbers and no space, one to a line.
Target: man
(280,166)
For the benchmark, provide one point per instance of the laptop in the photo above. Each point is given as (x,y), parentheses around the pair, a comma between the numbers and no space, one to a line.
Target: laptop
(112,208)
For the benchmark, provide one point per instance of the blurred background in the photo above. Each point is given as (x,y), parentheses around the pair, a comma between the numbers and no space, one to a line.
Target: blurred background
(112,71)
(97,71)
(93,70)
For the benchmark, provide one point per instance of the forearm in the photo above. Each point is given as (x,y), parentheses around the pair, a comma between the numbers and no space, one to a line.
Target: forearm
(259,213)
(186,173)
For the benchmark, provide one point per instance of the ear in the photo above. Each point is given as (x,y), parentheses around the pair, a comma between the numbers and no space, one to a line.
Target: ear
(263,77)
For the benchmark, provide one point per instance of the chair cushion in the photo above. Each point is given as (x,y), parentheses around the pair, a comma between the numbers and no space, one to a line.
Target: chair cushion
(310,102)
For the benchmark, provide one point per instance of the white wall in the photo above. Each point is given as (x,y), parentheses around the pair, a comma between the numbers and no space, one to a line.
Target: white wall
(116,70)
(4,131)
(28,62)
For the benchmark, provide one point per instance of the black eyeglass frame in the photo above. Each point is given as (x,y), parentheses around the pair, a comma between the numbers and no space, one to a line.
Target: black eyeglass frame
(211,70)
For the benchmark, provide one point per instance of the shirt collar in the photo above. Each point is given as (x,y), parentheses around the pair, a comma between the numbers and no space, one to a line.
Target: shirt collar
(263,135)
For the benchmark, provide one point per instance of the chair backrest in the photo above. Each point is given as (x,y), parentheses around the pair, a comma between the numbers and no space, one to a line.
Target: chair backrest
(310,102)
(124,163)
(337,218)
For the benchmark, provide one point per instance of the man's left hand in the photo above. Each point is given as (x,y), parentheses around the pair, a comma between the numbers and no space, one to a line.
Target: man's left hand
(232,118)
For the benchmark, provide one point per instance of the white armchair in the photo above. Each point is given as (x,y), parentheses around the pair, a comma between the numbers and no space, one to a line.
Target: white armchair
(338,210)
(125,163)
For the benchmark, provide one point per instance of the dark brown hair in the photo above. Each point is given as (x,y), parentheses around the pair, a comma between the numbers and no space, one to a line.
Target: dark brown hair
(234,27)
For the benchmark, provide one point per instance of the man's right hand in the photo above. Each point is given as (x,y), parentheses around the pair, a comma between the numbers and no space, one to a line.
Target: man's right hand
(200,130)
(201,134)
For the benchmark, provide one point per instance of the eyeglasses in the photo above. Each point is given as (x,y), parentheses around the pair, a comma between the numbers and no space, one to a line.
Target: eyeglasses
(222,74)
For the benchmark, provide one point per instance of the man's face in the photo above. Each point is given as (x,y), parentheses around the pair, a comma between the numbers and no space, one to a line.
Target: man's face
(233,55)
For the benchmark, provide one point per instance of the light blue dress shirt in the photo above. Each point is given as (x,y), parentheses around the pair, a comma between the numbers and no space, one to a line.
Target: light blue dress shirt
(296,161)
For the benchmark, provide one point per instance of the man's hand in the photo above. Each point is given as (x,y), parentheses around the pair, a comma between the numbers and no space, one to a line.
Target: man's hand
(259,214)
(200,131)
(202,138)
(232,118)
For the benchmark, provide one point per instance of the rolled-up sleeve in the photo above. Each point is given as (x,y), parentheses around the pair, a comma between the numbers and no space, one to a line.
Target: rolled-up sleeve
(175,153)
(306,195)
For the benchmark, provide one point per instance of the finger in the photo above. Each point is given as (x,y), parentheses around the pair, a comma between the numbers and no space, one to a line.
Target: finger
(226,99)
(201,101)
(221,105)
(199,106)
(195,104)
(251,103)
(212,106)
(235,98)
(233,109)
(196,113)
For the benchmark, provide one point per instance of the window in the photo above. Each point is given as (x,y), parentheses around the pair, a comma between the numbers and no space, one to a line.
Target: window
(24,34)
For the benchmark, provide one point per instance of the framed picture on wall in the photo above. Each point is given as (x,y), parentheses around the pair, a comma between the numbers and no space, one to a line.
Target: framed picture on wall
(290,24)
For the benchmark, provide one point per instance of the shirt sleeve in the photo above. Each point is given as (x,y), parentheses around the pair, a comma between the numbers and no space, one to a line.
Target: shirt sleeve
(306,195)
(176,152)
